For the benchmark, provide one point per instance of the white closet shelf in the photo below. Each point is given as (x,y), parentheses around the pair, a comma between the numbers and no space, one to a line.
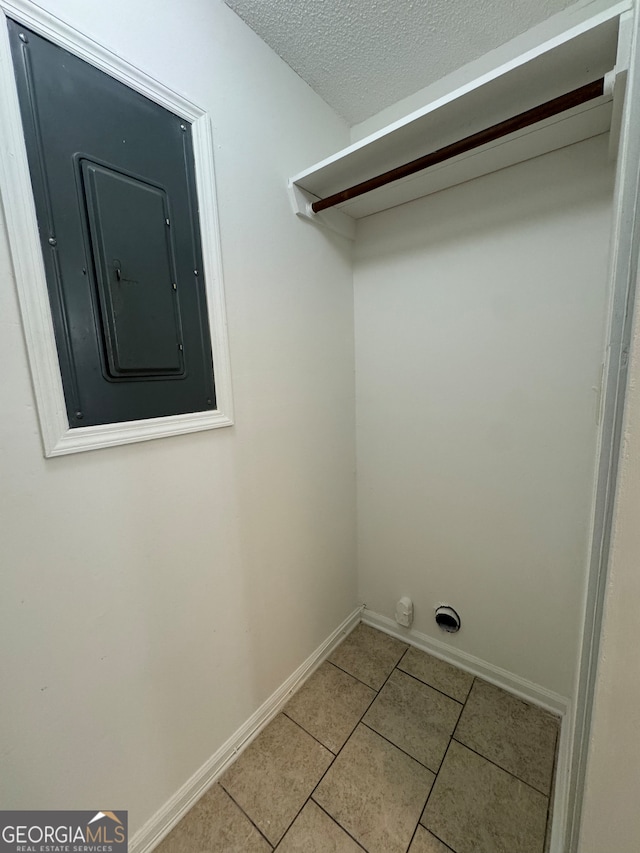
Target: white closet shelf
(596,48)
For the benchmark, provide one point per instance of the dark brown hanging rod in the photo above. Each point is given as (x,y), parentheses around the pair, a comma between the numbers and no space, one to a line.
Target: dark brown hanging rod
(503,128)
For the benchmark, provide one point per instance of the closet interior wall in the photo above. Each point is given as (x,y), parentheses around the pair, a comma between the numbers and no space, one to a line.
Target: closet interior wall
(156,594)
(480,318)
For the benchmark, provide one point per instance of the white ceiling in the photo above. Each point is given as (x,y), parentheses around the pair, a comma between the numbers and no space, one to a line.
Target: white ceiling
(363,55)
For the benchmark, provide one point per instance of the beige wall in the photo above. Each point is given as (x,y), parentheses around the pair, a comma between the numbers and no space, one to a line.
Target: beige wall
(154,595)
(480,319)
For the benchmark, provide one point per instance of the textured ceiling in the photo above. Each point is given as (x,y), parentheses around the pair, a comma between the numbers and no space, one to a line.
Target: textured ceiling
(363,55)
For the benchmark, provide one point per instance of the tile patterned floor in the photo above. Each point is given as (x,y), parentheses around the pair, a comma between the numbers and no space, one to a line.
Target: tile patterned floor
(388,750)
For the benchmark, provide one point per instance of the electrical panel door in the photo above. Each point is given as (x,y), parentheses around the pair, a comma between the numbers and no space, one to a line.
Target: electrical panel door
(114,187)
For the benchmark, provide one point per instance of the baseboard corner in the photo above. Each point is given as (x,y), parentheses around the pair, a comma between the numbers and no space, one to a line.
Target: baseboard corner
(527,690)
(159,825)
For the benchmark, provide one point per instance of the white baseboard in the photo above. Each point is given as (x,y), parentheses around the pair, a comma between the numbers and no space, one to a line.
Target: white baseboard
(527,690)
(163,821)
(563,775)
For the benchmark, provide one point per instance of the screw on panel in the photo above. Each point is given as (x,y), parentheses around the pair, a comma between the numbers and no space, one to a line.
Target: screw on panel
(209,402)
(195,272)
(53,241)
(23,38)
(174,285)
(183,127)
(180,347)
(79,415)
(167,221)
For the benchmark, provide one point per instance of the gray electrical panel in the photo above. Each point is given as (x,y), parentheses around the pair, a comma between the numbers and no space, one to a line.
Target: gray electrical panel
(114,188)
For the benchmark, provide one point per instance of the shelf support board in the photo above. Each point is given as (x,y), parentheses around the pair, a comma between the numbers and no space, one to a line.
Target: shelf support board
(523,120)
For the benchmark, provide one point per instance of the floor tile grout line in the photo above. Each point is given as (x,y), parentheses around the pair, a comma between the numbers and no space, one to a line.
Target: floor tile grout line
(333,758)
(320,780)
(330,765)
(439,839)
(359,720)
(337,666)
(332,818)
(435,773)
(419,680)
(334,755)
(393,669)
(428,684)
(415,828)
(495,764)
(296,816)
(429,797)
(403,751)
(431,832)
(377,692)
(252,822)
(300,726)
(474,678)
(515,776)
(346,672)
(464,706)
(444,758)
(546,825)
(363,723)
(435,835)
(377,689)
(549,822)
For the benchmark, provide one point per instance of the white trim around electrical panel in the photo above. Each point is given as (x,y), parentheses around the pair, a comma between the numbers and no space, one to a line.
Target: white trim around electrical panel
(163,821)
(17,198)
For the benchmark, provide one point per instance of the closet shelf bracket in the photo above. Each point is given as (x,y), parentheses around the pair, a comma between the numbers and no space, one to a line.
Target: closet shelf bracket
(334,220)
